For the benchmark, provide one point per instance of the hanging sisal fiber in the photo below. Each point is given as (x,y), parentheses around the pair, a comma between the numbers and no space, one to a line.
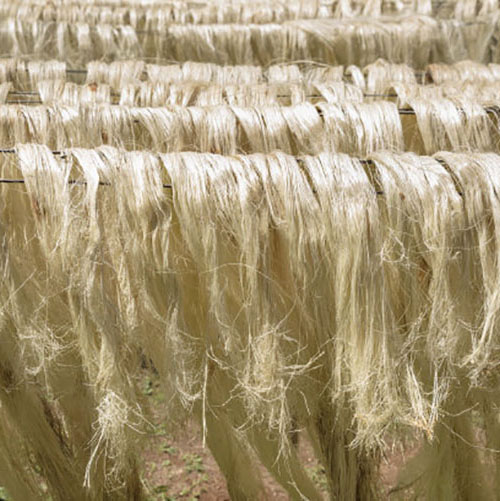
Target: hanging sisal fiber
(152,15)
(416,41)
(286,212)
(159,16)
(215,278)
(350,127)
(374,78)
(148,94)
(135,83)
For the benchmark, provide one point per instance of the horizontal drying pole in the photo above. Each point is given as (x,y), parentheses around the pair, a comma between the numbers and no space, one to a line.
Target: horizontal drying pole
(164,185)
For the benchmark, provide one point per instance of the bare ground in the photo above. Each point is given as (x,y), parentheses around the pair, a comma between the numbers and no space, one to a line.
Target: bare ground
(180,468)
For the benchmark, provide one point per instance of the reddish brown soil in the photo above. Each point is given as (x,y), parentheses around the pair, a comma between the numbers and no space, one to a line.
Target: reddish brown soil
(180,467)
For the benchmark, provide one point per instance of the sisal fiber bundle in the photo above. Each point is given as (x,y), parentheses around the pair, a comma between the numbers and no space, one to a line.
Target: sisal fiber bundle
(4,91)
(285,85)
(63,417)
(225,129)
(416,41)
(216,281)
(463,71)
(482,93)
(120,73)
(25,75)
(68,93)
(116,74)
(352,127)
(456,125)
(194,94)
(154,14)
(374,78)
(470,9)
(381,75)
(160,16)
(287,211)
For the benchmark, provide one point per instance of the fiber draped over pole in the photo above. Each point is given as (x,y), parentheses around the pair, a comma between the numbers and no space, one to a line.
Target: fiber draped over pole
(287,212)
(283,282)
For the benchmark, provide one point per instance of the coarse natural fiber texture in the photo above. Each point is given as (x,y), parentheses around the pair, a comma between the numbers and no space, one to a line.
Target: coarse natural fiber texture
(148,94)
(5,88)
(142,13)
(68,93)
(186,94)
(464,71)
(479,92)
(286,212)
(223,129)
(381,75)
(374,78)
(351,127)
(198,84)
(25,75)
(160,16)
(454,125)
(415,40)
(215,280)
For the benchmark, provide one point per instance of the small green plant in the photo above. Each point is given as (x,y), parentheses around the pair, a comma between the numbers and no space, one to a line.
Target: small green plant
(160,489)
(148,387)
(169,449)
(194,463)
(318,476)
(160,430)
